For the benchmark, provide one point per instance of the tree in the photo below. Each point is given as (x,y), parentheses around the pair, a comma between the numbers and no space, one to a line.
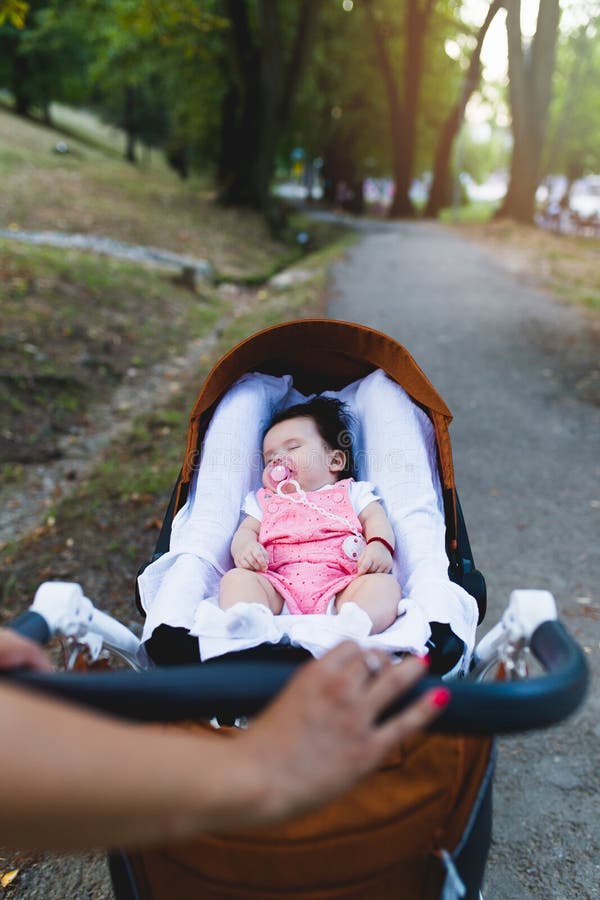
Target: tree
(530,69)
(439,193)
(28,68)
(339,117)
(574,131)
(403,102)
(268,46)
(13,11)
(417,75)
(151,71)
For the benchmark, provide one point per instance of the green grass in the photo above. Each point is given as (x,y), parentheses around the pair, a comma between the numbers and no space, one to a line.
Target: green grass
(88,129)
(73,327)
(91,190)
(470,212)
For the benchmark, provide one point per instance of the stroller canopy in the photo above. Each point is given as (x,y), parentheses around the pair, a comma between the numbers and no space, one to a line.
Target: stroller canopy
(323,354)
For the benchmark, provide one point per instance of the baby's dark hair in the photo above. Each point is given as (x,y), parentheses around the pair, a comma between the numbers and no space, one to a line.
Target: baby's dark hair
(334,423)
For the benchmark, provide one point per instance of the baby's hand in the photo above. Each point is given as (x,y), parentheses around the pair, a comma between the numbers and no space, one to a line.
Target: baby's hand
(253,557)
(375,558)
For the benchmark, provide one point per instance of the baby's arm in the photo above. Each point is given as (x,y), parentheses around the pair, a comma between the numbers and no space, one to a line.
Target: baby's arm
(375,523)
(246,551)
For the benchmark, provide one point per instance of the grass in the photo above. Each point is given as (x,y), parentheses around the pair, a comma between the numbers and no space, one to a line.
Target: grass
(74,326)
(90,190)
(87,128)
(469,212)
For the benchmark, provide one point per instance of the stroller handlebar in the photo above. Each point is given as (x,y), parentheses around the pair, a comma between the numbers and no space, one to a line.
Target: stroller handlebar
(228,690)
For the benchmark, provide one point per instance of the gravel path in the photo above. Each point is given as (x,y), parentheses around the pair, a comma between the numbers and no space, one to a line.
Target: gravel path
(517,369)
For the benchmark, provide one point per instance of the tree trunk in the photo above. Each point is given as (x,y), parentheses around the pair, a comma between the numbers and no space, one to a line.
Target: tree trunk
(530,87)
(403,113)
(258,104)
(237,175)
(129,124)
(440,191)
(20,87)
(417,21)
(403,205)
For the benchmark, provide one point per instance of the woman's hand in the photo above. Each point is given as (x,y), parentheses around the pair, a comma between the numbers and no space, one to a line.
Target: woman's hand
(375,558)
(252,556)
(18,652)
(322,734)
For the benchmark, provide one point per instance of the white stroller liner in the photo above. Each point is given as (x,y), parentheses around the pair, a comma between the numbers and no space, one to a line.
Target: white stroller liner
(395,449)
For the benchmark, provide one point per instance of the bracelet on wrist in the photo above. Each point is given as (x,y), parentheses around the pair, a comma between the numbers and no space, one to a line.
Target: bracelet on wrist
(383,541)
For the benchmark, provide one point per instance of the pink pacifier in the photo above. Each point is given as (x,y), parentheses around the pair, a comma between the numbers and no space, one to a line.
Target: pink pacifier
(279,476)
(280,473)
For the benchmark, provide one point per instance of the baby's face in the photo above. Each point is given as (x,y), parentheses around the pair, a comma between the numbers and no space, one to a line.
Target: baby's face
(297,445)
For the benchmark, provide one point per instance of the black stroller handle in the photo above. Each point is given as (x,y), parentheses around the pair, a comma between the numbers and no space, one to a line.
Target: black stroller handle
(33,626)
(229,690)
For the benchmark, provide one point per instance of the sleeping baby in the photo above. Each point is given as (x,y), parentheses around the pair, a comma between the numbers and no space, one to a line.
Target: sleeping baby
(313,537)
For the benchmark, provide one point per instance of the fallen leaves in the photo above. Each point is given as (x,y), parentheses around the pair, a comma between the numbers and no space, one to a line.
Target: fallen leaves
(7,878)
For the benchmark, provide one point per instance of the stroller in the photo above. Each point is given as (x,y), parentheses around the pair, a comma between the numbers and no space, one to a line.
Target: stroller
(420,826)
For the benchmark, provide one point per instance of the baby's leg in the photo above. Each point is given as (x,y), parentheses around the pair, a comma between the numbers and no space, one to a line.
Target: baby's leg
(377,594)
(245,586)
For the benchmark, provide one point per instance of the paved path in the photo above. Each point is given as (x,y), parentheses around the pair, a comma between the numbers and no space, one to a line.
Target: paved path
(514,366)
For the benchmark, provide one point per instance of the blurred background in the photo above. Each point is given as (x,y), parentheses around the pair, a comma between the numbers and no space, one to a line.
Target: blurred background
(397,108)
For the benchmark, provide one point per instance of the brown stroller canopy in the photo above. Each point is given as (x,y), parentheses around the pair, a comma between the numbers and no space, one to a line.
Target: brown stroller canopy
(322,354)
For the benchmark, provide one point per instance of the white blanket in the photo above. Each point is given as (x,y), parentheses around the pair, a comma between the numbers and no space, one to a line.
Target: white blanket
(395,449)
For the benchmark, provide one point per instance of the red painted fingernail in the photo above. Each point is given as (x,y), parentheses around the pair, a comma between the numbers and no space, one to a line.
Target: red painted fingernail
(441,697)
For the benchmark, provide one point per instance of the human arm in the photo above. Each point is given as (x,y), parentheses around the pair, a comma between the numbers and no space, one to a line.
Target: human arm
(17,652)
(375,523)
(246,550)
(71,779)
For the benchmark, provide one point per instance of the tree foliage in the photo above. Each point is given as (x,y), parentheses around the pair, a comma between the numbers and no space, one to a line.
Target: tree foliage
(406,37)
(573,146)
(439,193)
(13,11)
(367,86)
(39,62)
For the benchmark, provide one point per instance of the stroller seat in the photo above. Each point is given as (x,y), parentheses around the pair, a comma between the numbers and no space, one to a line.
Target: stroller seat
(397,446)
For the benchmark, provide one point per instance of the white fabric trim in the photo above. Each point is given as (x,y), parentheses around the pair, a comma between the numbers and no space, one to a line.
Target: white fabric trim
(247,625)
(361,494)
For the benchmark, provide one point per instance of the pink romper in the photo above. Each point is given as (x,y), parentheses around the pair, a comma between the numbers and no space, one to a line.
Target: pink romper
(307,564)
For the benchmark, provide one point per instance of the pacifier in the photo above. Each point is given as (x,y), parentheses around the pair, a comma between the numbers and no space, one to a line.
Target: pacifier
(278,476)
(280,473)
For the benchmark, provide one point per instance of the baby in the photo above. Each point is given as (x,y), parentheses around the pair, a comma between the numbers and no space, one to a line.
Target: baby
(313,535)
